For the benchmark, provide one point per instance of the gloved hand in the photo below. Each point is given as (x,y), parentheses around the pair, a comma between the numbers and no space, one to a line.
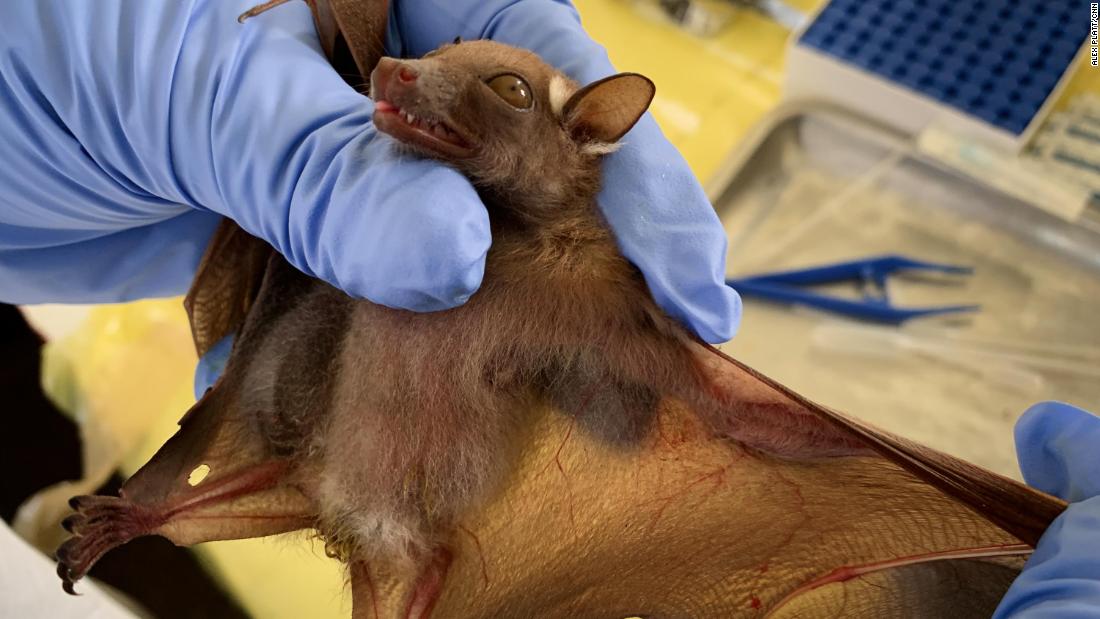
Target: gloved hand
(660,216)
(126,127)
(1057,448)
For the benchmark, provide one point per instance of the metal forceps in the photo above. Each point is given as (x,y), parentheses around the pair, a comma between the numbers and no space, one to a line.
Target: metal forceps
(871,273)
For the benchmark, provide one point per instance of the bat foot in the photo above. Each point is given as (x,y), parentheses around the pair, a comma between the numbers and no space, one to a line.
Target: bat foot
(99,524)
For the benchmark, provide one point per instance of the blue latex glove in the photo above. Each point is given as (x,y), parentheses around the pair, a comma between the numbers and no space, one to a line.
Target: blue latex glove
(127,127)
(1057,447)
(657,210)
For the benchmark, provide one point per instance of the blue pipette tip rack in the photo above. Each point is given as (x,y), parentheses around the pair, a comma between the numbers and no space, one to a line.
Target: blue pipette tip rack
(995,60)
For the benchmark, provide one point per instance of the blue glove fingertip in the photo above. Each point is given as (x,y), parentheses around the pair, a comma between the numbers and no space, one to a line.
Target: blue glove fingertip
(211,365)
(1055,445)
(1061,580)
(717,315)
(413,234)
(708,307)
(666,226)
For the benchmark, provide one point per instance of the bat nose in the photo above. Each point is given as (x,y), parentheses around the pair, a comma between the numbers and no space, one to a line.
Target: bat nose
(393,77)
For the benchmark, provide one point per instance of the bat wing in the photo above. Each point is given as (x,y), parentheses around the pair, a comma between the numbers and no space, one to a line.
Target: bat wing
(214,479)
(685,522)
(1018,509)
(226,284)
(687,525)
(219,476)
(956,588)
(352,33)
(357,26)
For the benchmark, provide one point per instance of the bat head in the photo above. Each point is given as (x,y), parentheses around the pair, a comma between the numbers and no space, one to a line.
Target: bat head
(519,129)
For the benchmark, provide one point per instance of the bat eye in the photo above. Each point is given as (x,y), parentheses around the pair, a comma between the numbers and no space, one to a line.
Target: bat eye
(512,89)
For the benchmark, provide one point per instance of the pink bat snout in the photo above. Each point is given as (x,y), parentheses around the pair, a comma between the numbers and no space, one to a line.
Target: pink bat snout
(393,78)
(412,102)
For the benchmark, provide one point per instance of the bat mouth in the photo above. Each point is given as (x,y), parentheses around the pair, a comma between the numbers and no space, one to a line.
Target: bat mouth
(422,130)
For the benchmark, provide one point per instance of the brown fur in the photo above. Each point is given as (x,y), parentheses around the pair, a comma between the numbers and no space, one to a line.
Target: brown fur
(426,429)
(421,430)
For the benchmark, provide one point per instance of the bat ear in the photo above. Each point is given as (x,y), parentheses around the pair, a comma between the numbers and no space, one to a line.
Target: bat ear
(603,111)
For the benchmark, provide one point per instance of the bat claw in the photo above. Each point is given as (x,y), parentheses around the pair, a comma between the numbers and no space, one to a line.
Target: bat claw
(71,522)
(65,574)
(99,524)
(62,555)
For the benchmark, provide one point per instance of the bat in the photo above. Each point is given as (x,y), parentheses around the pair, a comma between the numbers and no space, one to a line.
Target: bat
(557,446)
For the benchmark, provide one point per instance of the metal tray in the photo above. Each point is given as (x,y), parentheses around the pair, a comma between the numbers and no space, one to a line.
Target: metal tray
(814,184)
